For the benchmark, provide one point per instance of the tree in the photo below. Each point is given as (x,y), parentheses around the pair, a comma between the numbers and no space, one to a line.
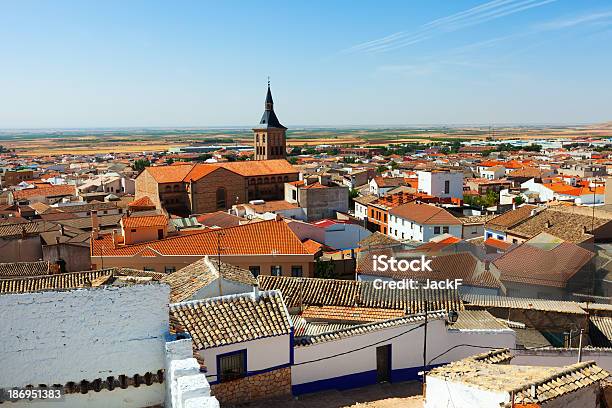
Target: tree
(353,193)
(292,160)
(324,269)
(381,169)
(518,200)
(169,160)
(140,164)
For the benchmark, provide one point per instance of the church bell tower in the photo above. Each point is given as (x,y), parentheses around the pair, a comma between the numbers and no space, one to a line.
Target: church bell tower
(270,138)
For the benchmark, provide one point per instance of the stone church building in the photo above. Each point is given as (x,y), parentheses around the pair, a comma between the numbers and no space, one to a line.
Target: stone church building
(189,188)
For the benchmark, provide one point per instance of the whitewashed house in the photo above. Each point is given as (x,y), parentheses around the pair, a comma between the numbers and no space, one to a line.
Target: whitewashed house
(441,183)
(422,222)
(488,380)
(106,344)
(208,278)
(245,341)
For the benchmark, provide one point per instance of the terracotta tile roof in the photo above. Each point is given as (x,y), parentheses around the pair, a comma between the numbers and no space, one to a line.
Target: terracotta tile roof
(499,356)
(335,292)
(538,264)
(563,224)
(531,172)
(425,214)
(21,269)
(169,174)
(528,384)
(18,228)
(567,379)
(271,206)
(219,219)
(231,319)
(264,238)
(511,218)
(135,221)
(357,330)
(459,265)
(497,243)
(350,314)
(600,331)
(260,167)
(74,280)
(473,301)
(389,181)
(313,246)
(377,239)
(185,282)
(46,191)
(477,320)
(143,201)
(200,170)
(301,327)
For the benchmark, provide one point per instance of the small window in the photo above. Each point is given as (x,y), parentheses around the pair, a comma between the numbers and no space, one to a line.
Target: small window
(276,270)
(436,230)
(296,271)
(170,269)
(255,270)
(231,366)
(445,230)
(133,230)
(446,187)
(148,269)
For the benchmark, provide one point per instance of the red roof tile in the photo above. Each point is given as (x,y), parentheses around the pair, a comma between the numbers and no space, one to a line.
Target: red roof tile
(263,238)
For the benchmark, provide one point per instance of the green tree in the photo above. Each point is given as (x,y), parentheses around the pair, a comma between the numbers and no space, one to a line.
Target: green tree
(324,269)
(353,193)
(140,164)
(169,160)
(293,160)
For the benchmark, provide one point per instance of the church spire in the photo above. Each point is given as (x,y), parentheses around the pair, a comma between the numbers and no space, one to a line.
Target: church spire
(269,118)
(269,101)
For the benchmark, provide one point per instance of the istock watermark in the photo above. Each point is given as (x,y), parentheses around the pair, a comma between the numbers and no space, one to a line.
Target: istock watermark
(384,263)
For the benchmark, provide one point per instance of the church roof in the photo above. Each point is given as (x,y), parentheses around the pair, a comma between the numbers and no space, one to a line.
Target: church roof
(269,119)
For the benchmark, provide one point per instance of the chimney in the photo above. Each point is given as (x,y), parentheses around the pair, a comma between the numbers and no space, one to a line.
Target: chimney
(584,229)
(256,291)
(95,223)
(548,224)
(114,238)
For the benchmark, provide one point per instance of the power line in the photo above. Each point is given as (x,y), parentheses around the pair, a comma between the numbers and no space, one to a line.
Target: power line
(360,348)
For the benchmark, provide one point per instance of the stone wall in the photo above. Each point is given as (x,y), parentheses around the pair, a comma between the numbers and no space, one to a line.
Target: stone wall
(267,385)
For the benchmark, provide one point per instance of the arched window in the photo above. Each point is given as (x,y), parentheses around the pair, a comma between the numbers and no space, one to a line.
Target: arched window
(221,201)
(259,180)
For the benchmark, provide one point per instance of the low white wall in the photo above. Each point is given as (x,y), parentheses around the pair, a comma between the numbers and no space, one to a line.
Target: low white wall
(56,337)
(407,350)
(562,357)
(262,354)
(442,394)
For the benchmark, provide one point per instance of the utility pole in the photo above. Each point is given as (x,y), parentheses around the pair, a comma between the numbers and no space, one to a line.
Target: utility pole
(425,342)
(580,347)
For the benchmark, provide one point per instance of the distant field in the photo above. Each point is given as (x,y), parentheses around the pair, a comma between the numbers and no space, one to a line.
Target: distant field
(138,140)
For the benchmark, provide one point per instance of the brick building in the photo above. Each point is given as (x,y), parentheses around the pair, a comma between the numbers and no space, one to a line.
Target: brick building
(203,188)
(269,135)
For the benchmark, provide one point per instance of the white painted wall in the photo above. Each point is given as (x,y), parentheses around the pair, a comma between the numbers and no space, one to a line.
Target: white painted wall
(407,350)
(361,211)
(401,228)
(433,183)
(185,385)
(562,357)
(344,236)
(441,394)
(56,337)
(261,354)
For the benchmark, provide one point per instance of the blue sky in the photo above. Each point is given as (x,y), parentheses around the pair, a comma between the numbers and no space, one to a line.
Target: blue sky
(130,63)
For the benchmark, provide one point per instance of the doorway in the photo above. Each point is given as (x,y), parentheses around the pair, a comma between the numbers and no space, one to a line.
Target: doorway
(383,363)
